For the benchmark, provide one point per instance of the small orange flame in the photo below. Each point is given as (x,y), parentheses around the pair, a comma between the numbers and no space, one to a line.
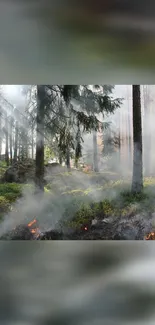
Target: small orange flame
(32,223)
(150,236)
(35,230)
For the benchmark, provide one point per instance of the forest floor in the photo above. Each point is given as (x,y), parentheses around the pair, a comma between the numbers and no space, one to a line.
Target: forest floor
(85,205)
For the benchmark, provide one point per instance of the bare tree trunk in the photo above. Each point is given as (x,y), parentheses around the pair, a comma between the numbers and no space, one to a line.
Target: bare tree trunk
(6,141)
(129,131)
(16,141)
(40,138)
(32,142)
(24,142)
(137,178)
(10,138)
(0,132)
(60,158)
(95,152)
(147,134)
(68,159)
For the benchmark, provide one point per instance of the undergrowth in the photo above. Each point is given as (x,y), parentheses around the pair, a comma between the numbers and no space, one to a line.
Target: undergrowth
(81,205)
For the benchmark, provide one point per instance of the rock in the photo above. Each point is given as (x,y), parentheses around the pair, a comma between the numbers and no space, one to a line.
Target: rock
(94,222)
(20,172)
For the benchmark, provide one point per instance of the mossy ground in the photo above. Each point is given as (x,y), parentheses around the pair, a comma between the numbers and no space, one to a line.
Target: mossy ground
(84,197)
(103,199)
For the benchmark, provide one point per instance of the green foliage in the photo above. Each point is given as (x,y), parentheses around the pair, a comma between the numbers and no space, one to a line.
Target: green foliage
(8,194)
(124,204)
(4,204)
(89,123)
(3,167)
(108,105)
(10,188)
(48,154)
(129,197)
(3,164)
(84,215)
(69,91)
(62,116)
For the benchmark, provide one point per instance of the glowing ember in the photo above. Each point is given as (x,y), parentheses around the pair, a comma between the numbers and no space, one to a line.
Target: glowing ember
(150,236)
(36,230)
(32,223)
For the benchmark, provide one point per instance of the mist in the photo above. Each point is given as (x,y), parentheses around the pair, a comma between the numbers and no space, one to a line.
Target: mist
(115,162)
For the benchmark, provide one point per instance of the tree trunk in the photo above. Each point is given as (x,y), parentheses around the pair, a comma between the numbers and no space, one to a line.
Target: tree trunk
(147,134)
(76,163)
(39,174)
(6,141)
(0,132)
(68,160)
(137,178)
(24,141)
(129,131)
(10,138)
(60,158)
(95,153)
(16,141)
(32,142)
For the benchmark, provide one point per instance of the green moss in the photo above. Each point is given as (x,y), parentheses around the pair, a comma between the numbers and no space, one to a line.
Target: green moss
(4,204)
(10,187)
(74,192)
(149,181)
(8,195)
(129,197)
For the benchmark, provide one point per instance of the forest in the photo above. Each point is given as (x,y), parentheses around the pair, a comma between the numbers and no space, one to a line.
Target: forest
(77,162)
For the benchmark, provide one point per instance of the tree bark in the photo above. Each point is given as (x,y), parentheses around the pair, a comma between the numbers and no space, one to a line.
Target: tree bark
(32,130)
(137,178)
(68,160)
(147,134)
(16,141)
(95,153)
(11,137)
(39,173)
(6,141)
(60,158)
(0,132)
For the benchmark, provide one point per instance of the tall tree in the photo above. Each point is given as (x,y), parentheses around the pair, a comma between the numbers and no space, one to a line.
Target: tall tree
(11,137)
(95,152)
(39,174)
(16,141)
(137,177)
(68,164)
(147,133)
(32,141)
(6,140)
(78,148)
(0,131)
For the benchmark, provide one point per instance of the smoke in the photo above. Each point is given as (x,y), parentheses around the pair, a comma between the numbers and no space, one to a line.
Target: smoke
(121,160)
(69,191)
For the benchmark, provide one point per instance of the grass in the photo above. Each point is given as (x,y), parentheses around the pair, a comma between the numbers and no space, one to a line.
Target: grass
(122,203)
(3,168)
(83,203)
